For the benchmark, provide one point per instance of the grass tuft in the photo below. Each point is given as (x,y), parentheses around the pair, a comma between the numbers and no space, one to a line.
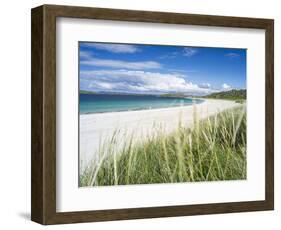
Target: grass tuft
(213,149)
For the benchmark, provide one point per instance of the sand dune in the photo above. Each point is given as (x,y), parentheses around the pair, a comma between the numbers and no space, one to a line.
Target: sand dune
(96,128)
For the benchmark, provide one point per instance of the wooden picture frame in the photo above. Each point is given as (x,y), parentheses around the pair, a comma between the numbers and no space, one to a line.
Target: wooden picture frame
(43,188)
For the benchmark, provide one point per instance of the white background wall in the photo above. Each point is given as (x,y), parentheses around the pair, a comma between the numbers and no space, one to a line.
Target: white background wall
(15,113)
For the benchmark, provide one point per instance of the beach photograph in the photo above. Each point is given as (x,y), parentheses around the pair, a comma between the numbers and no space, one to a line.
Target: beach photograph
(151,114)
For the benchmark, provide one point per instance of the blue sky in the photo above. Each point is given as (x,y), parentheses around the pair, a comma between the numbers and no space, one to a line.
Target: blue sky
(156,69)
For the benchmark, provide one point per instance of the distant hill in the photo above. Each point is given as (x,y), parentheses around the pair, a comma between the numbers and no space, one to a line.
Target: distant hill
(231,95)
(86,92)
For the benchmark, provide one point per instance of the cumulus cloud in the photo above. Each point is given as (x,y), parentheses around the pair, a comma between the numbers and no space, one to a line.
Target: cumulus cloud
(121,64)
(226,86)
(205,85)
(189,52)
(136,81)
(113,48)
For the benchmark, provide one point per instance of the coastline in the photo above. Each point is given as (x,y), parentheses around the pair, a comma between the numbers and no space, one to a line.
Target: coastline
(145,108)
(95,128)
(193,101)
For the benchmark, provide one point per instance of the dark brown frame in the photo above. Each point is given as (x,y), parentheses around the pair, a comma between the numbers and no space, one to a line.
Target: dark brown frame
(43,160)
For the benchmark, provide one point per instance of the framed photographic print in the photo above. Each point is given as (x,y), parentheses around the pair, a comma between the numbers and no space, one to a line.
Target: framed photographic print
(141,114)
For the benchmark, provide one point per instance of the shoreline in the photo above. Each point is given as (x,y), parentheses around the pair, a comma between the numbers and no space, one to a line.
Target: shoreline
(141,109)
(95,128)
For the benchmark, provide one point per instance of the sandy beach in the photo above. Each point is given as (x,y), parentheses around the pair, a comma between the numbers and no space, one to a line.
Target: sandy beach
(96,128)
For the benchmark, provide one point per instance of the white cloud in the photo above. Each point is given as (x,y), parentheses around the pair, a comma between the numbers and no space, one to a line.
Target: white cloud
(138,82)
(226,86)
(121,64)
(232,55)
(205,85)
(114,48)
(84,54)
(169,55)
(189,52)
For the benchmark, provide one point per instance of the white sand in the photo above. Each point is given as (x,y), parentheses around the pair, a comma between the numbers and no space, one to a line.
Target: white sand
(95,128)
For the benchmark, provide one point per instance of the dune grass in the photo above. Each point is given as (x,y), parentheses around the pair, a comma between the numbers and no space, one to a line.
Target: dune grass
(212,149)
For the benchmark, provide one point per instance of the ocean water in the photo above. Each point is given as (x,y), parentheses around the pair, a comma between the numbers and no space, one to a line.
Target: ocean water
(102,103)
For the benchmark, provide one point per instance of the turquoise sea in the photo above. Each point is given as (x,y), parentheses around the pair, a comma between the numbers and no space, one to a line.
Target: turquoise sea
(102,103)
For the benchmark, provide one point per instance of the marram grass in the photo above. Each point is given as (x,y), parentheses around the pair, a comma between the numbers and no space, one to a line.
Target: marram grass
(213,149)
